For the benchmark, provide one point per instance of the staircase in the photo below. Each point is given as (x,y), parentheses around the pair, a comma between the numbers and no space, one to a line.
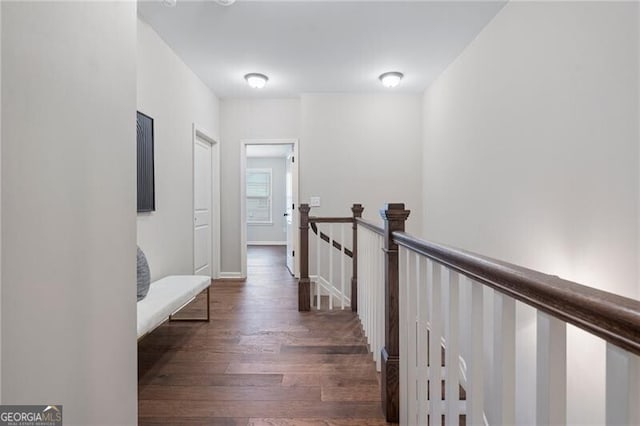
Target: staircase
(412,296)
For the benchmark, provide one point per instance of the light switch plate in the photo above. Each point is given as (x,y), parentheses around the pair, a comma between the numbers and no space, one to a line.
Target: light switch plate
(314,201)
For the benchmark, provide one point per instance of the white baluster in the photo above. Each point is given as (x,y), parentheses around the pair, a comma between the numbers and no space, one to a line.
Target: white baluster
(504,359)
(551,371)
(623,387)
(366,281)
(371,297)
(375,301)
(378,300)
(366,290)
(318,266)
(425,372)
(404,344)
(452,380)
(380,274)
(412,352)
(435,344)
(360,275)
(475,384)
(342,274)
(331,282)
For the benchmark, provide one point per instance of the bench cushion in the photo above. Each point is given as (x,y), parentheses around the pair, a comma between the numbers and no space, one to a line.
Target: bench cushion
(167,296)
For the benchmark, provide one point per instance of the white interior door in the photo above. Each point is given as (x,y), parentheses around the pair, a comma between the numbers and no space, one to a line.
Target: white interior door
(202,169)
(290,211)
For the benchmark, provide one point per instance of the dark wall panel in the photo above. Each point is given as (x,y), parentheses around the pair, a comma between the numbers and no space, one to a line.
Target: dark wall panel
(146,184)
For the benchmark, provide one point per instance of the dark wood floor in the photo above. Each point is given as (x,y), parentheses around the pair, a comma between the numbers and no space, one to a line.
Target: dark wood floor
(259,361)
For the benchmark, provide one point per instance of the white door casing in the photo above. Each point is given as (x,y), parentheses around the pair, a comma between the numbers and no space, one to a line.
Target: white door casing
(243,199)
(202,208)
(205,205)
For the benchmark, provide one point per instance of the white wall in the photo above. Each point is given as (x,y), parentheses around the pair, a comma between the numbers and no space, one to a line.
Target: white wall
(247,119)
(68,199)
(361,149)
(531,156)
(175,98)
(353,148)
(0,205)
(275,231)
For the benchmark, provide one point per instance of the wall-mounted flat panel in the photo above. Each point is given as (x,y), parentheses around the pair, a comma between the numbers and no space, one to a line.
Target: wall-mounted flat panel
(146,184)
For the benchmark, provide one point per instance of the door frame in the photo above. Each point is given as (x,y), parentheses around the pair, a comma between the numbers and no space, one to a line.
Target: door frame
(243,197)
(199,133)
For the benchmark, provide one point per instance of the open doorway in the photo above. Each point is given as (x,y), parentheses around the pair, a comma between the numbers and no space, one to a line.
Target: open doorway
(269,199)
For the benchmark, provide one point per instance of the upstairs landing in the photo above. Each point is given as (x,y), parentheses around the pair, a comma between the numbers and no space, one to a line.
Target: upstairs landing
(259,361)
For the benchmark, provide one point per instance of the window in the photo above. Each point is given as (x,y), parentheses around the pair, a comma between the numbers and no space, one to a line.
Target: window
(259,196)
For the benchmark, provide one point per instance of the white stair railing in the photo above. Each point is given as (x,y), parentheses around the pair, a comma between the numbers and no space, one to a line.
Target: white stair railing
(437,283)
(332,266)
(445,327)
(371,286)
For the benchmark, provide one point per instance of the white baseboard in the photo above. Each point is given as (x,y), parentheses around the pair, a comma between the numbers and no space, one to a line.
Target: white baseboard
(232,276)
(266,243)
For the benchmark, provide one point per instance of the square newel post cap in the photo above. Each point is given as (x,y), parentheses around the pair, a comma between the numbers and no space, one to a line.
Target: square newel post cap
(394,212)
(357,210)
(304,208)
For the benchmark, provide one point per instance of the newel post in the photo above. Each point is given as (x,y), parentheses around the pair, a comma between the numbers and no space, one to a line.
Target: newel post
(394,216)
(304,284)
(356,209)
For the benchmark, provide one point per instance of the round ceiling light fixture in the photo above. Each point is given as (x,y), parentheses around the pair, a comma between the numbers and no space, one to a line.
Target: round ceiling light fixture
(256,80)
(391,79)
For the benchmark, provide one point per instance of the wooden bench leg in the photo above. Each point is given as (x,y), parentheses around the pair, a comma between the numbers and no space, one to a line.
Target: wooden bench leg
(171,318)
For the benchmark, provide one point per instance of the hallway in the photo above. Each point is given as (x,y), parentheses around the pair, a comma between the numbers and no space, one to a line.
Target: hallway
(259,361)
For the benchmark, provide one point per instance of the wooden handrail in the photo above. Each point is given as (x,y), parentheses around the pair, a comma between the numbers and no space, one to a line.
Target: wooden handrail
(370,226)
(315,219)
(614,318)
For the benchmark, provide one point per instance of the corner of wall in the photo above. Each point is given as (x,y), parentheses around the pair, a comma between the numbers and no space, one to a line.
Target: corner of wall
(638,139)
(0,204)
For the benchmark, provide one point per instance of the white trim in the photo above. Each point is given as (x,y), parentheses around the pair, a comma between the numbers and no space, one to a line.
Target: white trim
(231,276)
(266,243)
(243,195)
(200,133)
(328,289)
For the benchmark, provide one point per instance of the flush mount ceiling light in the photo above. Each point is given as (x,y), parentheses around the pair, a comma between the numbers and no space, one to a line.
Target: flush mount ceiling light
(256,80)
(391,79)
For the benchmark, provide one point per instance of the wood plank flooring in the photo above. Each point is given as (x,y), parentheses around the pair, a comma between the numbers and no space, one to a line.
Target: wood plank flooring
(258,361)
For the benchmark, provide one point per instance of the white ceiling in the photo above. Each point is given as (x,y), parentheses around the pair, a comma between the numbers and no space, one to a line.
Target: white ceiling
(280,151)
(317,46)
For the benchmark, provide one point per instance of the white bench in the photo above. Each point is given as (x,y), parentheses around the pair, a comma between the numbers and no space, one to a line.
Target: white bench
(166,297)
